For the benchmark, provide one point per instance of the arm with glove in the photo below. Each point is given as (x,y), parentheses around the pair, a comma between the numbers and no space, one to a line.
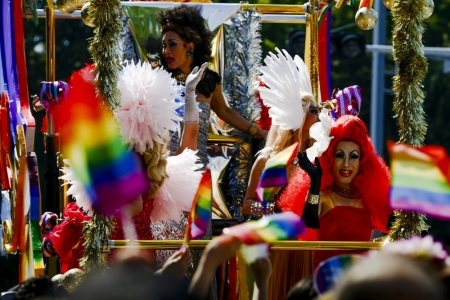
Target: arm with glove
(190,133)
(310,212)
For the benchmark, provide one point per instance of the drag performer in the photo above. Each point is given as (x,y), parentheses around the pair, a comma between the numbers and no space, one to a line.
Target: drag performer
(350,198)
(186,44)
(293,112)
(146,115)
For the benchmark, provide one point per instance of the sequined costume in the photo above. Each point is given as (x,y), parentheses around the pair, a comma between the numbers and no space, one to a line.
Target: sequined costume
(142,225)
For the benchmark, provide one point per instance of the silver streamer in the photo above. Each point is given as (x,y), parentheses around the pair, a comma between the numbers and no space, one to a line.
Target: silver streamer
(128,47)
(243,61)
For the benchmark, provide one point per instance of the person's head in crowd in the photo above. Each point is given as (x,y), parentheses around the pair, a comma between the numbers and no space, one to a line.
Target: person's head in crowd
(40,287)
(303,290)
(132,278)
(153,46)
(389,276)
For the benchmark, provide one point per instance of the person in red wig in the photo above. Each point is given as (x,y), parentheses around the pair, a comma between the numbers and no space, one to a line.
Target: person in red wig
(345,194)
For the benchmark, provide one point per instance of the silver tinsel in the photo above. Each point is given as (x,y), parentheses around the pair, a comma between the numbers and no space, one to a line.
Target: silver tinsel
(128,47)
(243,61)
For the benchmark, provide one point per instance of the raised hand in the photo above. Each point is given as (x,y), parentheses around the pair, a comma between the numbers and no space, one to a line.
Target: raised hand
(190,108)
(177,264)
(314,171)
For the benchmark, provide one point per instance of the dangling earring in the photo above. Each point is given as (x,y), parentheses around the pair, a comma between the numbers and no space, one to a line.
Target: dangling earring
(190,53)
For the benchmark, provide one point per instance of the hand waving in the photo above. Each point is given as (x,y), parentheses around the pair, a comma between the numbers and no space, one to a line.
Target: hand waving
(314,171)
(190,109)
(194,77)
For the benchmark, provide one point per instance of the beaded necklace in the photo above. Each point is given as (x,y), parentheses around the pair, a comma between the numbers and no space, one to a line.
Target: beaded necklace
(343,192)
(181,77)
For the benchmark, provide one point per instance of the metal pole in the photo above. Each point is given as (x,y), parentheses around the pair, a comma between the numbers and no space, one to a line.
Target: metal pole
(378,89)
(312,46)
(51,203)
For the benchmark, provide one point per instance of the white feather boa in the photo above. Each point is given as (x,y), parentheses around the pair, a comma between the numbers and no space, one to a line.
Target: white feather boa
(76,189)
(178,191)
(147,105)
(285,81)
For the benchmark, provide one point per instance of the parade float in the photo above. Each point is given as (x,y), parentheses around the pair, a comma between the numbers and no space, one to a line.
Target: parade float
(119,26)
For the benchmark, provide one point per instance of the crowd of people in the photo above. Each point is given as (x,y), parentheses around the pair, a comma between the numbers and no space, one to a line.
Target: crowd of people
(341,192)
(420,272)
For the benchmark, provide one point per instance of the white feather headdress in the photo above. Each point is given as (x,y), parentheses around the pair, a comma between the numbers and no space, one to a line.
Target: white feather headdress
(147,105)
(285,81)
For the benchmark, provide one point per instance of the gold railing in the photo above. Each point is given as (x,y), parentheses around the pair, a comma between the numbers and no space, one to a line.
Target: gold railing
(280,245)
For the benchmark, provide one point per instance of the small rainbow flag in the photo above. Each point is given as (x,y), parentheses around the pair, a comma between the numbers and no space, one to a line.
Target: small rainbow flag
(111,175)
(201,209)
(268,229)
(275,173)
(420,179)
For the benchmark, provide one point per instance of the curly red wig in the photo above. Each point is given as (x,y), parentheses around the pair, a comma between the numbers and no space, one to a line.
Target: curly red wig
(372,180)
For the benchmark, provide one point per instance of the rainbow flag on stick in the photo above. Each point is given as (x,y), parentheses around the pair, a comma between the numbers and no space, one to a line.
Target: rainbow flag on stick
(268,229)
(275,173)
(201,209)
(420,179)
(111,175)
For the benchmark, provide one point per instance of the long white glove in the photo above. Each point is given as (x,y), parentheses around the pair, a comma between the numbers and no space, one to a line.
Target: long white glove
(190,107)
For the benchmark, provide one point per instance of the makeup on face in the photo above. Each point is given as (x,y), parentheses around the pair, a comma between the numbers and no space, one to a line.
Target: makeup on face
(346,163)
(174,51)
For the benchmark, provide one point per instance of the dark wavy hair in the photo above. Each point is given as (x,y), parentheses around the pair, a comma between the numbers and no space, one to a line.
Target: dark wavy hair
(189,24)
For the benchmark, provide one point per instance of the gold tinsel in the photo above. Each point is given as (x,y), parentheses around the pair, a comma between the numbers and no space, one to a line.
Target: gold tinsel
(408,101)
(96,233)
(105,15)
(407,224)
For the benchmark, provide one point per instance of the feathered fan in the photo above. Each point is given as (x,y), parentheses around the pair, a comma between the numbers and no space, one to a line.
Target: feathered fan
(285,80)
(147,105)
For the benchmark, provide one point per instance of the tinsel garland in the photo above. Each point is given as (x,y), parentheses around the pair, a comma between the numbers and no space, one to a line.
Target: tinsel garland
(243,60)
(408,95)
(96,233)
(127,44)
(105,14)
(406,225)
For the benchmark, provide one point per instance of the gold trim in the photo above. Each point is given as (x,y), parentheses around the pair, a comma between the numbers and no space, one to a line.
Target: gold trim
(275,8)
(312,47)
(280,245)
(221,139)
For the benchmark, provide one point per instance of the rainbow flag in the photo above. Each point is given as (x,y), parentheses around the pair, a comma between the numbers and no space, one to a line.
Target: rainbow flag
(275,173)
(201,209)
(111,175)
(268,229)
(420,179)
